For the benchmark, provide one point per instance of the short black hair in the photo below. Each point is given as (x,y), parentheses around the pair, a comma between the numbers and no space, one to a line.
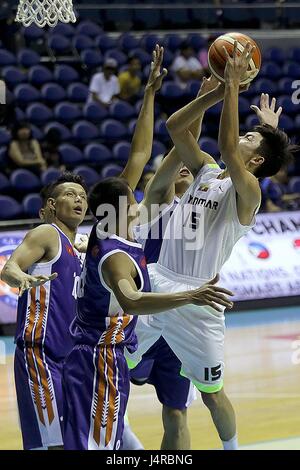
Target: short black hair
(107,191)
(20,125)
(45,193)
(66,177)
(275,148)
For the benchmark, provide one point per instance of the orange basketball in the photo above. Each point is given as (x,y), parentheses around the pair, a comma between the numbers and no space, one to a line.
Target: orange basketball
(217,58)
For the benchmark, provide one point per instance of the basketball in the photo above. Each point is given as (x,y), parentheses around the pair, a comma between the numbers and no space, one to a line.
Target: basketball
(217,58)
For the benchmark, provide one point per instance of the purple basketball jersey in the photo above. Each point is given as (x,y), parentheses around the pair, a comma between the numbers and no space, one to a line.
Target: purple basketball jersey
(100,319)
(46,312)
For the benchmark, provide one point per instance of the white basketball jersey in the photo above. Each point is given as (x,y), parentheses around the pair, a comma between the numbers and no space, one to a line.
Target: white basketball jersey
(204,227)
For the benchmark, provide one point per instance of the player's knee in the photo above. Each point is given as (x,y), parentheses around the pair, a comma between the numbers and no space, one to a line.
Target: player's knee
(213,400)
(174,420)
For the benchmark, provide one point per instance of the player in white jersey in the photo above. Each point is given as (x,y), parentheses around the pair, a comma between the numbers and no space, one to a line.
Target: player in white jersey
(217,210)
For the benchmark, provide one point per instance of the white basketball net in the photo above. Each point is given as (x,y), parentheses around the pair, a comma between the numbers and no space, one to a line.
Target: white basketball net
(42,12)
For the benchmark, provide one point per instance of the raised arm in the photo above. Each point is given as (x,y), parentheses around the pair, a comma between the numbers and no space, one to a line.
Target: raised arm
(141,145)
(179,126)
(119,273)
(161,188)
(245,183)
(266,112)
(32,249)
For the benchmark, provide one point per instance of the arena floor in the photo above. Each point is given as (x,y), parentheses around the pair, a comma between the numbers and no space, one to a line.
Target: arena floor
(262,379)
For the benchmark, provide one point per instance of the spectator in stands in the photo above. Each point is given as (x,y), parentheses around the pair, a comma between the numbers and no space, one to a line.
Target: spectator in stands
(129,80)
(50,151)
(24,151)
(104,86)
(275,193)
(186,66)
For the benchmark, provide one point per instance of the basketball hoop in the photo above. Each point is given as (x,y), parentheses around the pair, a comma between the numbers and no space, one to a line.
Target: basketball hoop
(42,12)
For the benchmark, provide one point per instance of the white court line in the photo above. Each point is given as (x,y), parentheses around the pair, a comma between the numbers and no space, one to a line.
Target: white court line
(292,443)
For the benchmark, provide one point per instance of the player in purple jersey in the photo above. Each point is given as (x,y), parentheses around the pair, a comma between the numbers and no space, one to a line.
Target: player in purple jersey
(45,311)
(114,289)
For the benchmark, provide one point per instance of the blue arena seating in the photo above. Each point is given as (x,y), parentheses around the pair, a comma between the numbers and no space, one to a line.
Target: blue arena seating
(50,175)
(24,180)
(89,175)
(96,153)
(31,204)
(10,208)
(51,92)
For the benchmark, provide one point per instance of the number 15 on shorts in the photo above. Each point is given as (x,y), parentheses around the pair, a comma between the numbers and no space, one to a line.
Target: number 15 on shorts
(211,374)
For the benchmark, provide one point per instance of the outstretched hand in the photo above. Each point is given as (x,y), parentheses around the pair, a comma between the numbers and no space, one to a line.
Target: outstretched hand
(156,74)
(266,113)
(237,66)
(34,281)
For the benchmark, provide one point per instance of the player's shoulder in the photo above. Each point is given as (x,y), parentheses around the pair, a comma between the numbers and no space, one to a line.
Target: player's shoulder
(42,233)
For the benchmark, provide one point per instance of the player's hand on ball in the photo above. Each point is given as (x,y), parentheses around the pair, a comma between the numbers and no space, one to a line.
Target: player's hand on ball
(237,66)
(209,84)
(212,295)
(28,281)
(156,74)
(266,113)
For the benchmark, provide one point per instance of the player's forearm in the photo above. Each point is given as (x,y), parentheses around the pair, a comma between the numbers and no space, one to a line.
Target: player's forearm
(229,123)
(150,303)
(143,136)
(12,274)
(141,146)
(184,118)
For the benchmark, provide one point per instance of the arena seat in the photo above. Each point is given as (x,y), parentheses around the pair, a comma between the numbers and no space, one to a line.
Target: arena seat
(33,32)
(39,75)
(84,131)
(5,136)
(64,131)
(65,74)
(89,28)
(112,130)
(53,93)
(274,54)
(77,92)
(111,170)
(70,154)
(24,180)
(66,112)
(31,204)
(291,69)
(59,44)
(121,110)
(89,175)
(209,145)
(64,29)
(94,112)
(13,75)
(96,153)
(121,151)
(91,58)
(10,208)
(38,113)
(28,58)
(116,54)
(128,42)
(6,58)
(25,94)
(82,42)
(105,42)
(158,148)
(50,175)
(4,184)
(160,130)
(142,55)
(294,184)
